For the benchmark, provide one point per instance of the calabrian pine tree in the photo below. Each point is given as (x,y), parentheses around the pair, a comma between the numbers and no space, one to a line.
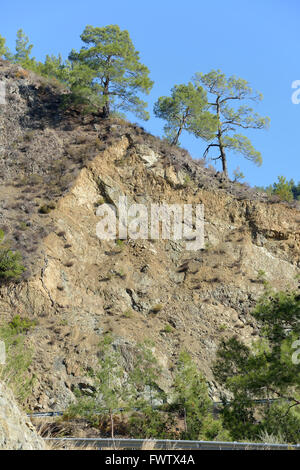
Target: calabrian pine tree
(185,109)
(222,92)
(116,74)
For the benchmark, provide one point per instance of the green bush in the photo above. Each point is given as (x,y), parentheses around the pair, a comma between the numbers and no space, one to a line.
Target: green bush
(151,424)
(11,266)
(21,325)
(147,413)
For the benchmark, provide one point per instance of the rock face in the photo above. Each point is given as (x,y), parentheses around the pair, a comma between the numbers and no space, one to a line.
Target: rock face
(16,432)
(55,170)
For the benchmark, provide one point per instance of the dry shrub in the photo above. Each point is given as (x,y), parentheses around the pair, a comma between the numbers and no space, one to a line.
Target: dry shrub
(22,74)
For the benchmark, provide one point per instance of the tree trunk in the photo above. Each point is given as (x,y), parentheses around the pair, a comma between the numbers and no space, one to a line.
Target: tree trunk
(220,142)
(106,106)
(176,138)
(105,111)
(223,158)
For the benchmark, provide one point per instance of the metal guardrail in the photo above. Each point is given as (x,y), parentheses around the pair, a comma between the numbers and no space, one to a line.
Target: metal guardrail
(216,404)
(136,444)
(45,414)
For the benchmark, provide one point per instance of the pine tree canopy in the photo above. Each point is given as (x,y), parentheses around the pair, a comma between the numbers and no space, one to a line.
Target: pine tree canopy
(117,73)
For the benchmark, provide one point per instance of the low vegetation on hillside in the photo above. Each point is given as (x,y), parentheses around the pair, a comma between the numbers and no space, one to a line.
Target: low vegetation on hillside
(262,381)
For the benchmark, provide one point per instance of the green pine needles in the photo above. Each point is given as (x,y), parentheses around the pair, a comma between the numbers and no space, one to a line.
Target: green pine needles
(269,369)
(11,267)
(117,75)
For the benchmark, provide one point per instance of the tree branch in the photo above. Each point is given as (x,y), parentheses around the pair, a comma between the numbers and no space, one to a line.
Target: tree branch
(207,149)
(231,98)
(242,125)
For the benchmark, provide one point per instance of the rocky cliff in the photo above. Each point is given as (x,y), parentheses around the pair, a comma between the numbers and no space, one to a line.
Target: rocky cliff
(16,431)
(56,168)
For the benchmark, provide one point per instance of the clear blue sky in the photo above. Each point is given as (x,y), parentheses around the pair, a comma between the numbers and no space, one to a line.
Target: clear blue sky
(255,39)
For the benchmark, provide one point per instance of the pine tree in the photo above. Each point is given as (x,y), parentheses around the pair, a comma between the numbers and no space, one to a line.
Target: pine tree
(23,50)
(110,391)
(185,109)
(269,369)
(4,51)
(222,91)
(111,67)
(55,67)
(284,189)
(296,191)
(191,396)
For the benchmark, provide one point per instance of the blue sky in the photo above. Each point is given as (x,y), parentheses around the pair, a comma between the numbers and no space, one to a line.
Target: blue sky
(257,40)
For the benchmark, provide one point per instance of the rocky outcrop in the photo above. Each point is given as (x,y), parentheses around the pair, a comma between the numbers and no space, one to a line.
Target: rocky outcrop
(16,431)
(78,287)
